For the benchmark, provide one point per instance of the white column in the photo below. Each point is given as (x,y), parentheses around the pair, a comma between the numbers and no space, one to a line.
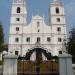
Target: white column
(65,64)
(10,65)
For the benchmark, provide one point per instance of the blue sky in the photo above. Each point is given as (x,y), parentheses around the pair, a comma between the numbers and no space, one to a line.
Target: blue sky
(32,7)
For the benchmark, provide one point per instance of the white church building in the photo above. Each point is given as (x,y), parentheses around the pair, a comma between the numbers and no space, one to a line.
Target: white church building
(25,36)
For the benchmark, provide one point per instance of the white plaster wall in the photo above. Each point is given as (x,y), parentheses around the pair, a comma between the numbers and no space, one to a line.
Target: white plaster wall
(55,39)
(54,19)
(13,48)
(13,29)
(12,39)
(34,24)
(14,9)
(56,49)
(45,31)
(27,29)
(22,19)
(53,9)
(33,38)
(31,30)
(63,29)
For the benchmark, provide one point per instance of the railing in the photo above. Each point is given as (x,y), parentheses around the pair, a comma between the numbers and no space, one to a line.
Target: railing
(31,68)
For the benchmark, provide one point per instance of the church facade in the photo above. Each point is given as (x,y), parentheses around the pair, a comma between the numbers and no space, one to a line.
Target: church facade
(25,36)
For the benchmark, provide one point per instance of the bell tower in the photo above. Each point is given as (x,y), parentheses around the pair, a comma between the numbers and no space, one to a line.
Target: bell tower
(58,25)
(19,10)
(17,21)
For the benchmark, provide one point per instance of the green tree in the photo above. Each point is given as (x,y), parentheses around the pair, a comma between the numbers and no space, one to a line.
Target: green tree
(71,44)
(1,38)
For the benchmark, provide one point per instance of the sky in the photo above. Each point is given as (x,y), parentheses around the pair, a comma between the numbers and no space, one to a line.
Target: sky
(32,7)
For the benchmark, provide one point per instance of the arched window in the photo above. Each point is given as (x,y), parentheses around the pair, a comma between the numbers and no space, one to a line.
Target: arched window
(38,39)
(18,9)
(57,10)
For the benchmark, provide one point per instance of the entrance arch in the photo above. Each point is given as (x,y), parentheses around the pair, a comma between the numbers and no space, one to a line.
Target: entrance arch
(39,52)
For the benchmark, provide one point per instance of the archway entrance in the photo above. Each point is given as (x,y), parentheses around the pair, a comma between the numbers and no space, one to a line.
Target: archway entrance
(39,52)
(37,67)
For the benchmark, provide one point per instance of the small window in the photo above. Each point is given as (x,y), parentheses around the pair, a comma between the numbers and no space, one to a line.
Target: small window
(16,39)
(38,39)
(48,39)
(38,30)
(59,39)
(18,9)
(17,28)
(16,52)
(17,19)
(28,39)
(58,19)
(57,10)
(58,29)
(38,23)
